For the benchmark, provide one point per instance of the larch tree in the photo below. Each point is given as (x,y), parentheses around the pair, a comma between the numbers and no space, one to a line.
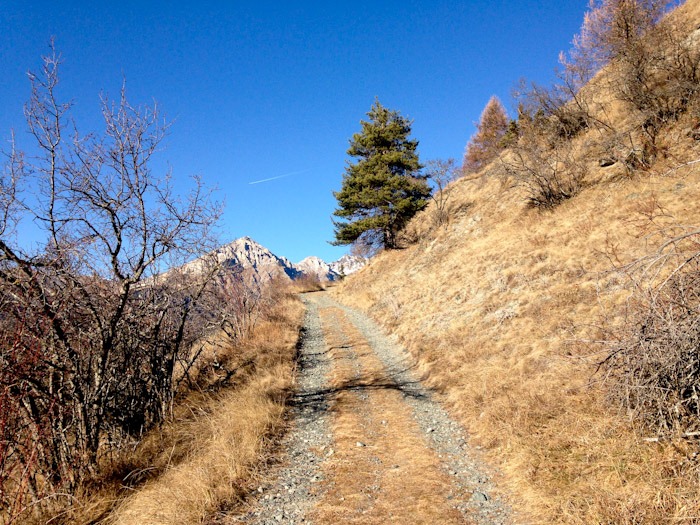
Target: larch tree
(385,187)
(613,29)
(656,65)
(488,140)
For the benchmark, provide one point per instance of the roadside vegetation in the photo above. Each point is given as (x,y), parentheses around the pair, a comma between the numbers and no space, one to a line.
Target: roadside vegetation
(206,459)
(556,307)
(107,338)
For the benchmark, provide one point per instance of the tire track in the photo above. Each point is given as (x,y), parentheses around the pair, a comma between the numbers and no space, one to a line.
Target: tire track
(368,444)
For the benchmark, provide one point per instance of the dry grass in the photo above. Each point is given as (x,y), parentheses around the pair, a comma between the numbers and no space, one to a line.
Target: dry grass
(206,458)
(394,477)
(499,309)
(310,283)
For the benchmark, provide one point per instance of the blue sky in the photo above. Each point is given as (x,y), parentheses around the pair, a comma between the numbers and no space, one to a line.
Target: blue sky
(273,91)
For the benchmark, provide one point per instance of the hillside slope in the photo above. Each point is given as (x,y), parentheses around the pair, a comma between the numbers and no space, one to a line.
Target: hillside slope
(497,309)
(504,310)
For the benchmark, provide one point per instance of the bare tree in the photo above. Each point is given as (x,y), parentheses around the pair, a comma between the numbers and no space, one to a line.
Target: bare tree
(442,173)
(613,30)
(91,334)
(656,67)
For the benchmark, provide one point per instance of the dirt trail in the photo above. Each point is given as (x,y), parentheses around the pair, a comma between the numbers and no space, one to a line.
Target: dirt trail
(368,444)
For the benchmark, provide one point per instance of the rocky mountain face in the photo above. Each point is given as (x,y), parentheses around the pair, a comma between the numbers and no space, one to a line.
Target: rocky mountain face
(249,255)
(316,267)
(348,264)
(265,265)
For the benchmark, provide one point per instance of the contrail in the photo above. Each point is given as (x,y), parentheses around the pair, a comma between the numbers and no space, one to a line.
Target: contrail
(279,177)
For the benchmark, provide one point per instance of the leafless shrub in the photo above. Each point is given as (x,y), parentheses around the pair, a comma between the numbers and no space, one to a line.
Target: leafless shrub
(442,173)
(562,109)
(653,370)
(309,283)
(544,164)
(369,244)
(233,309)
(91,332)
(243,301)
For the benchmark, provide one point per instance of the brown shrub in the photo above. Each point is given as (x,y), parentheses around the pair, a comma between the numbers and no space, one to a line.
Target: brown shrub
(309,283)
(547,167)
(654,370)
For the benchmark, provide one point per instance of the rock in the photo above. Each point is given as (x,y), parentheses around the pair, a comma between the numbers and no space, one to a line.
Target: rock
(348,264)
(479,497)
(317,268)
(607,161)
(360,444)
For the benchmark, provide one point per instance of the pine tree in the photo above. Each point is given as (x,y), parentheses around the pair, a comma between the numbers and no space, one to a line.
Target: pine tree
(384,188)
(488,140)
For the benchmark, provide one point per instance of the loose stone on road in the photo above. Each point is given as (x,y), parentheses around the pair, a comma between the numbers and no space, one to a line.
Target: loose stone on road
(367,444)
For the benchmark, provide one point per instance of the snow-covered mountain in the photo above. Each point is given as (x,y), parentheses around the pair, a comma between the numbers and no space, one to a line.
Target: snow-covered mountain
(348,264)
(264,265)
(316,267)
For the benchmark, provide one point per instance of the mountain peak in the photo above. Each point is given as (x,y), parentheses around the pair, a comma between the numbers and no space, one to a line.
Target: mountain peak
(247,254)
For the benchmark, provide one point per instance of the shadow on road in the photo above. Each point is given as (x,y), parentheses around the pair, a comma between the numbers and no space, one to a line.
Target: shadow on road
(319,400)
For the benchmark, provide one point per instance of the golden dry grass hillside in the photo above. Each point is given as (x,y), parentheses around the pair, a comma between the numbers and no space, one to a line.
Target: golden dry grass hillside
(509,310)
(499,307)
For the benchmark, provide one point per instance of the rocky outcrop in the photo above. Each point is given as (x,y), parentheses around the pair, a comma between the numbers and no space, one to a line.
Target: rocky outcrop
(318,268)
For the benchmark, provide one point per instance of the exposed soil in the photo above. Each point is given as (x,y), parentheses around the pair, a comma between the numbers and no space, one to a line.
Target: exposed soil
(368,444)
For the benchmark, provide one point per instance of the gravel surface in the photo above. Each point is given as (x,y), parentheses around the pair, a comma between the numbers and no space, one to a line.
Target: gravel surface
(473,492)
(299,481)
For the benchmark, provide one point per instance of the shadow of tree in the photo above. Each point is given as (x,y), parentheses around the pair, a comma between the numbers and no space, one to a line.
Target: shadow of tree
(319,400)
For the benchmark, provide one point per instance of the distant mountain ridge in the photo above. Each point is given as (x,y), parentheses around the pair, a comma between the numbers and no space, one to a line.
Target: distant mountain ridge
(250,255)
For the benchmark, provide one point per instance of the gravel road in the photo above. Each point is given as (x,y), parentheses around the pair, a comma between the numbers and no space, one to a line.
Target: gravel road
(297,484)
